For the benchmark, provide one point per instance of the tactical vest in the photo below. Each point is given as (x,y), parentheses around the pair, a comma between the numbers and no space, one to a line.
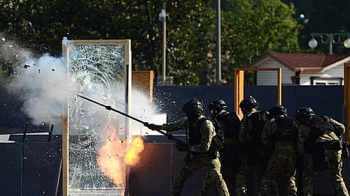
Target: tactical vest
(231,123)
(194,132)
(287,129)
(258,120)
(252,147)
(195,135)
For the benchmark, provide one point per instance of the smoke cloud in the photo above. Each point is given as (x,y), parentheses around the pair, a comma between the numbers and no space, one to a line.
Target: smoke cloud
(42,85)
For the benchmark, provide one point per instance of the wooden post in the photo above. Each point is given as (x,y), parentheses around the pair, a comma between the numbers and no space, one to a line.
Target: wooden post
(143,81)
(239,90)
(346,100)
(239,85)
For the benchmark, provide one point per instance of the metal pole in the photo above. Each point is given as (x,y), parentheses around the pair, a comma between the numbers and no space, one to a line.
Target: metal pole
(218,44)
(164,47)
(331,38)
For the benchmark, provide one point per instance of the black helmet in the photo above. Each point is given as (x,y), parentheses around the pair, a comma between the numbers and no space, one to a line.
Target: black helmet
(217,106)
(304,113)
(278,110)
(193,108)
(247,104)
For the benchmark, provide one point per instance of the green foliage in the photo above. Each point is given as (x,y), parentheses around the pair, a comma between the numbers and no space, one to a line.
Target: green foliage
(250,29)
(254,28)
(41,25)
(189,43)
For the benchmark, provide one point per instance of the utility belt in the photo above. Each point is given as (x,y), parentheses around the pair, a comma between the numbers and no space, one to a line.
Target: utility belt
(282,147)
(231,141)
(188,158)
(331,145)
(230,148)
(210,153)
(227,145)
(200,153)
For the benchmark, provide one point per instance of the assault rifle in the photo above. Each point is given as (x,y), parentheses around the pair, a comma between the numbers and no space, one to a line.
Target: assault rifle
(179,144)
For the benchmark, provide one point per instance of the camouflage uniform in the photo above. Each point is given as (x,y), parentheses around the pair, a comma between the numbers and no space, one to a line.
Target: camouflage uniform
(231,154)
(284,156)
(201,158)
(245,169)
(333,155)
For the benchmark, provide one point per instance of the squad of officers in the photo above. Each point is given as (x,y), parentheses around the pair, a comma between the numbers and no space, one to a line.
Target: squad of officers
(269,141)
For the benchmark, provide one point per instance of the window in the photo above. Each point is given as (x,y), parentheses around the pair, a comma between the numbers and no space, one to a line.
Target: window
(325,81)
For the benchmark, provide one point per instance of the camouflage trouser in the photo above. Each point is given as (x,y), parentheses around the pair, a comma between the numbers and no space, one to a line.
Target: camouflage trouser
(230,157)
(212,175)
(276,163)
(244,170)
(336,166)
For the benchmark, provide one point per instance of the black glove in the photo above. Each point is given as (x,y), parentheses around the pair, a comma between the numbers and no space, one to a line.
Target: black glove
(170,136)
(152,126)
(182,146)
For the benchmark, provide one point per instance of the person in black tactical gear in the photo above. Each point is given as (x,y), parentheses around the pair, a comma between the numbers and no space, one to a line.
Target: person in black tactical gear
(279,136)
(203,145)
(320,136)
(256,155)
(231,153)
(248,105)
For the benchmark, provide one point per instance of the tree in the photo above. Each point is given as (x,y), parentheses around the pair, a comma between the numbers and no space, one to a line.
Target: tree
(41,25)
(253,28)
(190,44)
(250,28)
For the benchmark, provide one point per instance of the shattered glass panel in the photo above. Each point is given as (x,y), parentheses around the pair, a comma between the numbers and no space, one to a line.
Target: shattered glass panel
(98,73)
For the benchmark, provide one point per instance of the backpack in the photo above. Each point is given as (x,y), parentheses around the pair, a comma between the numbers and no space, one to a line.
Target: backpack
(287,129)
(320,125)
(231,123)
(258,120)
(219,138)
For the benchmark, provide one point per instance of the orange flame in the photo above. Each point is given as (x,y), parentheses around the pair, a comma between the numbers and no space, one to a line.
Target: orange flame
(114,156)
(135,148)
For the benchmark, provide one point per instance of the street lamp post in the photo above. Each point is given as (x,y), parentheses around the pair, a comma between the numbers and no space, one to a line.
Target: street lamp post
(218,43)
(329,39)
(162,18)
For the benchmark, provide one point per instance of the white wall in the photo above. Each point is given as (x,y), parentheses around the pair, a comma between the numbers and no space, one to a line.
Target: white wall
(335,72)
(270,77)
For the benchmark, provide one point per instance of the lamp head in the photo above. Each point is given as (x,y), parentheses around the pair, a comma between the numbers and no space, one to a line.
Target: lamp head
(312,43)
(162,16)
(347,43)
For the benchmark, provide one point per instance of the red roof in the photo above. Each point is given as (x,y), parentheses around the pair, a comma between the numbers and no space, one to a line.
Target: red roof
(293,61)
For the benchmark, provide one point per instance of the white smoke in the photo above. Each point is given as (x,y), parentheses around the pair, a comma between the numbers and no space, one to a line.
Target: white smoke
(45,86)
(42,85)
